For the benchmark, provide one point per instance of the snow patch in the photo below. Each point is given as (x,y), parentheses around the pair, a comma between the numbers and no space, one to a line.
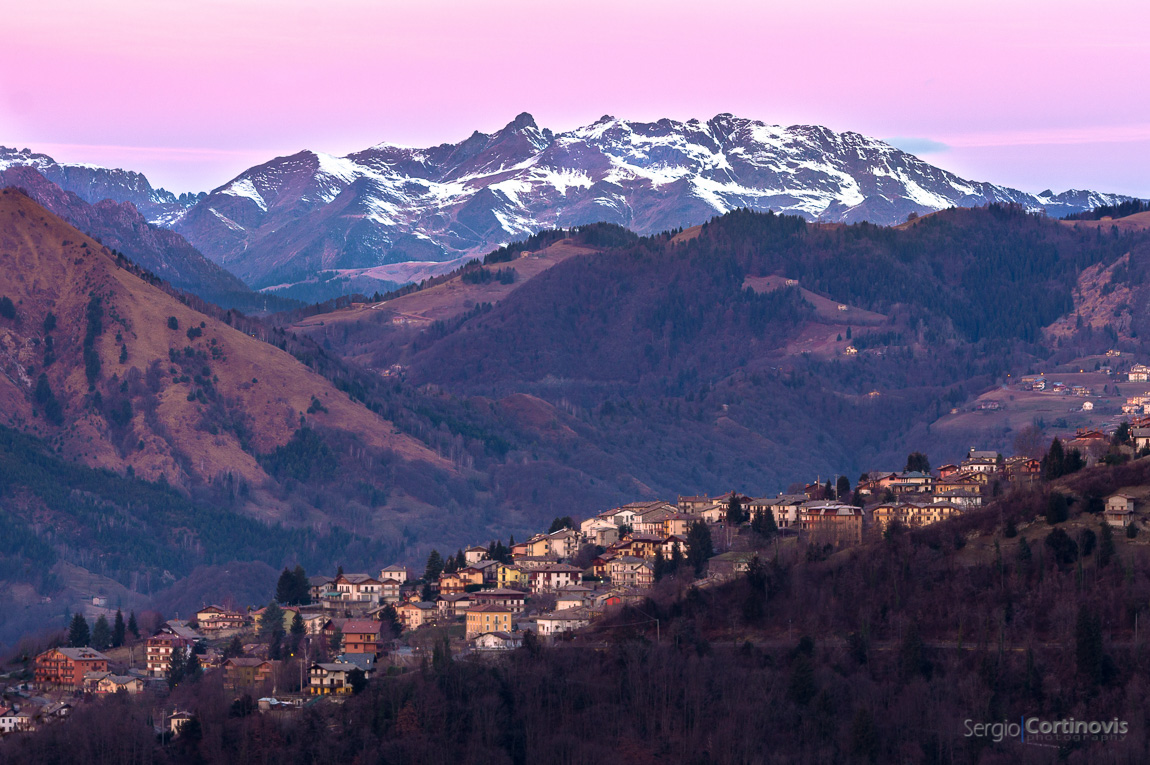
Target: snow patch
(338,167)
(245,189)
(226,220)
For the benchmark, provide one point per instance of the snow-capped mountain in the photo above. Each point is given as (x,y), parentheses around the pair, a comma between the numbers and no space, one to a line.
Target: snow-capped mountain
(373,217)
(284,221)
(93,184)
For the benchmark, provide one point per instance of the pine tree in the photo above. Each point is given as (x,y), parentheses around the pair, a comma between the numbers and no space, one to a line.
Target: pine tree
(917,462)
(101,633)
(271,620)
(1052,463)
(734,510)
(1105,546)
(660,565)
(119,630)
(194,669)
(563,522)
(297,626)
(1024,553)
(133,627)
(285,589)
(234,648)
(676,557)
(78,635)
(434,567)
(302,586)
(389,617)
(1057,509)
(764,525)
(699,546)
(177,666)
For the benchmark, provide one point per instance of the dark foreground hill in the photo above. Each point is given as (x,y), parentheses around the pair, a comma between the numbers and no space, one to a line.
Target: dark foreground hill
(890,652)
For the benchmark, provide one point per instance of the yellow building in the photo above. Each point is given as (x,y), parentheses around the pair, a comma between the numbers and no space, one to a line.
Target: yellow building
(512,576)
(913,514)
(539,546)
(488,618)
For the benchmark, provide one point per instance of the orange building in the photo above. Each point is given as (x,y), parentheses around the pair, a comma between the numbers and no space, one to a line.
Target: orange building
(66,667)
(361,636)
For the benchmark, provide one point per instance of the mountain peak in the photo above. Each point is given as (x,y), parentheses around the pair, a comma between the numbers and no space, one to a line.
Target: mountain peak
(522,120)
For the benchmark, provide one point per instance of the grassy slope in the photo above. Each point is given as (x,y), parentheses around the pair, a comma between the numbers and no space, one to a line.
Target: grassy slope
(46,267)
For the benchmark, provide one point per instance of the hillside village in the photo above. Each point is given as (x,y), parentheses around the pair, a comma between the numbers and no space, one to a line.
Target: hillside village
(323,637)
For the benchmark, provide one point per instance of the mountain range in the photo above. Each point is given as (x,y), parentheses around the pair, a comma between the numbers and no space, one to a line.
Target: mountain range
(314,225)
(568,373)
(93,184)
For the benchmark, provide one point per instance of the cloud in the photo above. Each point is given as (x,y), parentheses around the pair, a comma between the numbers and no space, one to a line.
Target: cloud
(1135,133)
(918,145)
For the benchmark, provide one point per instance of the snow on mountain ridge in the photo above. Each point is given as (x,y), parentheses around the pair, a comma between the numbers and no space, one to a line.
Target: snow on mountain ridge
(391,204)
(93,184)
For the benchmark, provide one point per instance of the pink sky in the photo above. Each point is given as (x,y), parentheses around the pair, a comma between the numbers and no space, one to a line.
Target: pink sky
(1029,94)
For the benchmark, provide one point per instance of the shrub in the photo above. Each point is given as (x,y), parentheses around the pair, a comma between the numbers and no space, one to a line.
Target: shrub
(1064,549)
(173,322)
(1057,509)
(1086,541)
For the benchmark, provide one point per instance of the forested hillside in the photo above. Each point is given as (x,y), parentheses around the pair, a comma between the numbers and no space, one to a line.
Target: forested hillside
(995,276)
(707,358)
(139,535)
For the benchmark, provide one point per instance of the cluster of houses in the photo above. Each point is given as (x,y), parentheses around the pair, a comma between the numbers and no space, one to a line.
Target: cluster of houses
(1135,405)
(919,499)
(1040,383)
(549,585)
(72,668)
(1139,406)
